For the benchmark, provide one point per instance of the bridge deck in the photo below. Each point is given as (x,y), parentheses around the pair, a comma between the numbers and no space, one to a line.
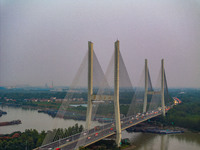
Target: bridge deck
(91,136)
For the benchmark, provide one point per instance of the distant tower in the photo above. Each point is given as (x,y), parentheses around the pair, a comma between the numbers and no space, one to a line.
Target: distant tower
(46,85)
(52,84)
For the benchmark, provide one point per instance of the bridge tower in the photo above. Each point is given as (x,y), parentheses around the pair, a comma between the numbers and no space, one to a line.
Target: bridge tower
(90,85)
(146,87)
(161,92)
(116,95)
(92,97)
(162,86)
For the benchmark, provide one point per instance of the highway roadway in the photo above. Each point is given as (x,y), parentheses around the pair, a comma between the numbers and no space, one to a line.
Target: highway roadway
(95,134)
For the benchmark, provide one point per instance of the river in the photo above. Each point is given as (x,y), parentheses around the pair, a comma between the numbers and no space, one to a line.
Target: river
(31,119)
(150,141)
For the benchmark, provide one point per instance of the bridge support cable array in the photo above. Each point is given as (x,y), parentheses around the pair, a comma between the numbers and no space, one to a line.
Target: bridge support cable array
(142,97)
(107,92)
(168,99)
(97,83)
(152,98)
(160,97)
(126,91)
(51,136)
(115,98)
(148,86)
(98,87)
(64,111)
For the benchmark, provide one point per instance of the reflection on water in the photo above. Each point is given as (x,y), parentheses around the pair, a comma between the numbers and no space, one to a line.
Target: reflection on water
(148,141)
(31,119)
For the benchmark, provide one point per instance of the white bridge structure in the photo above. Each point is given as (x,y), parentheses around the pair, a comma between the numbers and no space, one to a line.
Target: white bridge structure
(143,105)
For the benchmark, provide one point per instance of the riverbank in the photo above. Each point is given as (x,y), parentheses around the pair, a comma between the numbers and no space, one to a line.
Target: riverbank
(131,147)
(2,113)
(42,105)
(31,119)
(148,125)
(30,139)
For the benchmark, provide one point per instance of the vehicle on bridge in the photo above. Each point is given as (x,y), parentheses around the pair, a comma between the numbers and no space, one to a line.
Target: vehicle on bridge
(96,128)
(96,134)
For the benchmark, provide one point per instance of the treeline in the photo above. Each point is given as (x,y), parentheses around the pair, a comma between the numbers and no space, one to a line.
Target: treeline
(102,145)
(186,114)
(60,133)
(183,115)
(31,139)
(186,95)
(23,94)
(20,95)
(107,145)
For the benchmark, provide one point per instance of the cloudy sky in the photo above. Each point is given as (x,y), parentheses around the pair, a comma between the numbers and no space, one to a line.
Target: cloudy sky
(45,40)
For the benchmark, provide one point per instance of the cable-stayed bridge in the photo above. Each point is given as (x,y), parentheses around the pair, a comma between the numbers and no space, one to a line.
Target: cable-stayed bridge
(105,93)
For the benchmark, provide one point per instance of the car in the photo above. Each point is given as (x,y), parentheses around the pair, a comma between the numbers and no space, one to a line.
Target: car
(67,140)
(84,133)
(89,137)
(96,134)
(96,128)
(58,149)
(111,128)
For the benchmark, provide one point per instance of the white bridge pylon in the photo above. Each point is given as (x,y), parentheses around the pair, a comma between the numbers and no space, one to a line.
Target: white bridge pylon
(161,92)
(92,97)
(115,98)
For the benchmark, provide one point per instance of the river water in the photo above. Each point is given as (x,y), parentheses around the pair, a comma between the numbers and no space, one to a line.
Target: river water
(149,141)
(31,119)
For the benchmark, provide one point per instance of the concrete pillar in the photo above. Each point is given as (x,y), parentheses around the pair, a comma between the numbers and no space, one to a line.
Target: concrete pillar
(162,86)
(116,95)
(146,87)
(162,144)
(90,85)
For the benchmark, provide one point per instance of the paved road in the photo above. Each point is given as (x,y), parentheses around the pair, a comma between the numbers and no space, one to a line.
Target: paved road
(93,135)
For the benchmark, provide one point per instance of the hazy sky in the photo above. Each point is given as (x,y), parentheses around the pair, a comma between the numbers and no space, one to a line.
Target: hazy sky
(45,40)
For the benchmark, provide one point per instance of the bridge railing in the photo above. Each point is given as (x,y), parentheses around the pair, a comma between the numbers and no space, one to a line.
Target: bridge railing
(103,130)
